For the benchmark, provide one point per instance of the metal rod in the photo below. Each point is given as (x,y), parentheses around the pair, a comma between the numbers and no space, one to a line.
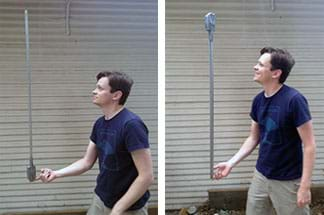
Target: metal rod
(67,17)
(31,169)
(273,5)
(210,21)
(29,88)
(211,106)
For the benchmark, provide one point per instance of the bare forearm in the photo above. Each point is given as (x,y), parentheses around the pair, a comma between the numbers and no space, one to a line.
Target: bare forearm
(76,168)
(136,190)
(308,165)
(246,149)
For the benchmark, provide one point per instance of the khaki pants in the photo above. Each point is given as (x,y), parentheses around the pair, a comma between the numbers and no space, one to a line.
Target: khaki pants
(265,194)
(98,208)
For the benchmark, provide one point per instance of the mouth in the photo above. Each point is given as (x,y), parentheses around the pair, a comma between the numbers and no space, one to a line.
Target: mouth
(256,75)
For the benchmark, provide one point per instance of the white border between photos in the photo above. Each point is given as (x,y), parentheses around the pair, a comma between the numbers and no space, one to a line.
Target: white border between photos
(161,107)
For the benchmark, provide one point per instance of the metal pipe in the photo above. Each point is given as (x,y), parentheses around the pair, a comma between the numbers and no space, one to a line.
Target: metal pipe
(67,17)
(31,169)
(210,21)
(273,5)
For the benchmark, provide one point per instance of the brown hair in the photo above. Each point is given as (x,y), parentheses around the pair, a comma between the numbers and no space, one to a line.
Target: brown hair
(280,59)
(118,81)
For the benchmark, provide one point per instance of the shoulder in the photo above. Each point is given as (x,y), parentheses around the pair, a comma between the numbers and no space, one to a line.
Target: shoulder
(258,97)
(99,121)
(293,94)
(132,120)
(135,123)
(297,102)
(129,116)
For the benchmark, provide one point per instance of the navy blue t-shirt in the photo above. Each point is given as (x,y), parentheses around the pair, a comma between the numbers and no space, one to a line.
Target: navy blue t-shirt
(115,139)
(278,116)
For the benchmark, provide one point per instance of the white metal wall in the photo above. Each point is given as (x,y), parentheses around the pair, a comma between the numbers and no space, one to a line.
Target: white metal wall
(242,29)
(104,34)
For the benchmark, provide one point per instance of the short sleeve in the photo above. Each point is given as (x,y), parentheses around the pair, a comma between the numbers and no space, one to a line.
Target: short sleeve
(254,111)
(136,135)
(300,110)
(93,136)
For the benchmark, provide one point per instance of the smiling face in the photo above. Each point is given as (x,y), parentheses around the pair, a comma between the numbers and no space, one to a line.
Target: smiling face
(262,70)
(102,95)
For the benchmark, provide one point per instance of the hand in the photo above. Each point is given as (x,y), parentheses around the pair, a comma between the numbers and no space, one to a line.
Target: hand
(47,175)
(303,197)
(222,170)
(115,211)
(118,209)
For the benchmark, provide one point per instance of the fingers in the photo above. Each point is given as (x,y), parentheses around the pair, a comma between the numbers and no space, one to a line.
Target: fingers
(45,170)
(303,202)
(219,165)
(218,172)
(221,170)
(303,198)
(218,175)
(45,175)
(216,166)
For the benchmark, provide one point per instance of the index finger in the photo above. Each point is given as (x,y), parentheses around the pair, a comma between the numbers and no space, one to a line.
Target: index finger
(217,166)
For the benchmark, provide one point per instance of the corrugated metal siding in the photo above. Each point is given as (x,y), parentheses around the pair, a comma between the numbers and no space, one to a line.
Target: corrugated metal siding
(242,28)
(104,35)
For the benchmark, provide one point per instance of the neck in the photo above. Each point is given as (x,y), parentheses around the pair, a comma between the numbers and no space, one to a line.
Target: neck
(270,90)
(110,112)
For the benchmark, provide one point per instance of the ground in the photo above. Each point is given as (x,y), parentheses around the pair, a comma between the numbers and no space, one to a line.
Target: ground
(317,208)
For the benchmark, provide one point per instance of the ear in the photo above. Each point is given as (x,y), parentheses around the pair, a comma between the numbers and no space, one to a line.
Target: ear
(117,95)
(276,74)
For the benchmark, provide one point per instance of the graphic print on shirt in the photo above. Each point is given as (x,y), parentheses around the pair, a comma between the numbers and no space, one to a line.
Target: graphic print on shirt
(270,125)
(108,147)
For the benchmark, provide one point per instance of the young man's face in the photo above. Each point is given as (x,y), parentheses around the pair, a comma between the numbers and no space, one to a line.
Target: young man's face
(101,94)
(262,70)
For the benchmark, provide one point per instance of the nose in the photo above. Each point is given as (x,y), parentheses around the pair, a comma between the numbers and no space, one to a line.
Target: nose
(94,92)
(255,67)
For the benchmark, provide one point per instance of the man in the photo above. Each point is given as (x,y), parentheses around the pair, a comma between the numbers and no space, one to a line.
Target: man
(282,126)
(120,140)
